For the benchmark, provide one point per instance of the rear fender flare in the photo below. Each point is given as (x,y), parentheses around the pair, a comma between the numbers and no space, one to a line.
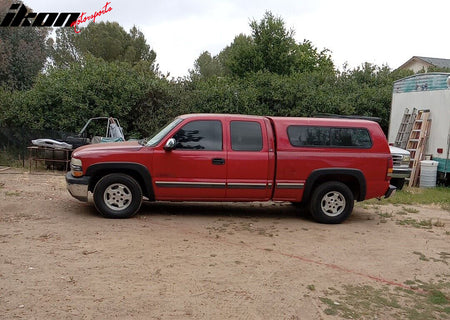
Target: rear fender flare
(336,174)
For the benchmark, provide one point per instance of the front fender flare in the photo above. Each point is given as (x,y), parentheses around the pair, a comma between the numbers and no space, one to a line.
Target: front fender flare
(134,169)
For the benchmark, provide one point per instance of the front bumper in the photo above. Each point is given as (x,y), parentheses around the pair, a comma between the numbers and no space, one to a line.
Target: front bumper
(401,172)
(390,191)
(78,187)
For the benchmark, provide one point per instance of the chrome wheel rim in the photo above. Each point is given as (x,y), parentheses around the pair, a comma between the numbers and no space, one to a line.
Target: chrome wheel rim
(117,197)
(333,203)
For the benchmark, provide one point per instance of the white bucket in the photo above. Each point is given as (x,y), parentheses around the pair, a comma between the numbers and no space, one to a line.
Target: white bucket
(428,173)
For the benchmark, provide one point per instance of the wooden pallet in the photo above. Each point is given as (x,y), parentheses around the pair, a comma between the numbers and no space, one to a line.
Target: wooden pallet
(416,143)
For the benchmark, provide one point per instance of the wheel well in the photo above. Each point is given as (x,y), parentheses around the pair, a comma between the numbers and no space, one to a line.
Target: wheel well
(350,181)
(100,173)
(353,179)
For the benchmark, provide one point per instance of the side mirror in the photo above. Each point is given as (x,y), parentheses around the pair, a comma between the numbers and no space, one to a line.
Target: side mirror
(170,144)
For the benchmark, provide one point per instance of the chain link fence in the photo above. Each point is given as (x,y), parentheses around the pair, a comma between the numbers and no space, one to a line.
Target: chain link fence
(14,143)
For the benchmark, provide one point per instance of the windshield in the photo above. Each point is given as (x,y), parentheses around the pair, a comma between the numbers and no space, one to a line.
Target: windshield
(159,136)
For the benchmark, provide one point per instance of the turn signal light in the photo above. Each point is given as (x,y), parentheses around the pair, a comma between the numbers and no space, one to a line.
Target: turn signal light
(390,169)
(389,172)
(77,173)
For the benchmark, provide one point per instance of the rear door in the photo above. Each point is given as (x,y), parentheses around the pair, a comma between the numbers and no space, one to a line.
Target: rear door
(250,161)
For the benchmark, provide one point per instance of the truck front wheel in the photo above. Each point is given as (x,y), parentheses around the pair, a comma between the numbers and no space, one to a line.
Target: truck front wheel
(117,195)
(331,202)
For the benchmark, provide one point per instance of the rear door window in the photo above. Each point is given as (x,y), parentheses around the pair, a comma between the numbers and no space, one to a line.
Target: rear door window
(246,136)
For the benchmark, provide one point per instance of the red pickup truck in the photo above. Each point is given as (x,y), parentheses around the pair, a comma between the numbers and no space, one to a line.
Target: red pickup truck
(325,164)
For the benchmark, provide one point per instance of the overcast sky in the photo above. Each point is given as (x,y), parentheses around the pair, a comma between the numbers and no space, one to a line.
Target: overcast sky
(355,31)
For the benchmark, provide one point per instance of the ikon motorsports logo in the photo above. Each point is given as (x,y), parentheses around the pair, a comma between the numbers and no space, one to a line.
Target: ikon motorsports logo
(18,15)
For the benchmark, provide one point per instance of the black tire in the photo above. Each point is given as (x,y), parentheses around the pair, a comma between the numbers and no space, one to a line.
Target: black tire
(398,182)
(302,207)
(117,195)
(299,205)
(331,202)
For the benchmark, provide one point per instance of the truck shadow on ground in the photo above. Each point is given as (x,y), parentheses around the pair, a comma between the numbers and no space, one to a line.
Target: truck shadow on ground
(270,210)
(263,210)
(227,209)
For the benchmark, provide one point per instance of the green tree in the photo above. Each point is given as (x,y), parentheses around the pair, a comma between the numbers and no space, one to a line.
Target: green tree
(308,58)
(274,44)
(206,66)
(23,53)
(240,57)
(65,98)
(272,48)
(367,91)
(63,50)
(435,69)
(266,73)
(105,40)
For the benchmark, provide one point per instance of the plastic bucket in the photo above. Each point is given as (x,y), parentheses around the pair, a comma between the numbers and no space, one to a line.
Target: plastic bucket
(428,173)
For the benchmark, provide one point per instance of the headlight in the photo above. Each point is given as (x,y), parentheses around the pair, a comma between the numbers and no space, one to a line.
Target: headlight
(406,159)
(76,167)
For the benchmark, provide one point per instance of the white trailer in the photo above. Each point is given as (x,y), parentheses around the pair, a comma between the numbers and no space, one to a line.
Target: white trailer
(426,91)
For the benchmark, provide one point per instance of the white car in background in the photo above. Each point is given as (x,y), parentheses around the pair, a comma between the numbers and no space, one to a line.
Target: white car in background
(402,171)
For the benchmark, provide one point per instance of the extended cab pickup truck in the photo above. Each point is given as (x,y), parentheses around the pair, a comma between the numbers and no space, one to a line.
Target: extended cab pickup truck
(325,164)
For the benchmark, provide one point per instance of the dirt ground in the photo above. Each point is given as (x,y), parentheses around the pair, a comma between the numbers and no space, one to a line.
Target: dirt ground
(60,260)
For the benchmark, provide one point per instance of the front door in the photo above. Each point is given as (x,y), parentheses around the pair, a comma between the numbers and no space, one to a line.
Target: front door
(196,168)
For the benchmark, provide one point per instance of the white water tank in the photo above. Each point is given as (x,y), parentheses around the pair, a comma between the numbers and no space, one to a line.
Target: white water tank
(428,173)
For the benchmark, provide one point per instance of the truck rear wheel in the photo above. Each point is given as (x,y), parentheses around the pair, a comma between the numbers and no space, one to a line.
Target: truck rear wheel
(117,195)
(331,202)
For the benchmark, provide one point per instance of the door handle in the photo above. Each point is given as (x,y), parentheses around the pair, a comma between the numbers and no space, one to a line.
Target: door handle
(218,161)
